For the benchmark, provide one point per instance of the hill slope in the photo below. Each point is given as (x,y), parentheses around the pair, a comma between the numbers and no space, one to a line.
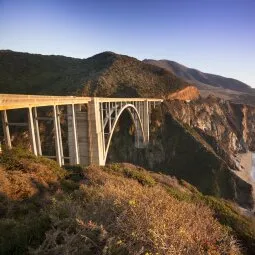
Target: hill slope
(105,74)
(207,83)
(116,209)
(199,77)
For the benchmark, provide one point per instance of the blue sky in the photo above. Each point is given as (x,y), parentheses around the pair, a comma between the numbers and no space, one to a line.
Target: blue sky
(216,36)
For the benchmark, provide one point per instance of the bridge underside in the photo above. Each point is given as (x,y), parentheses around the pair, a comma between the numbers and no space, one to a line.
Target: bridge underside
(90,124)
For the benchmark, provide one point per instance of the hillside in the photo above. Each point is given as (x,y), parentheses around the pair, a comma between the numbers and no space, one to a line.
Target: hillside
(203,158)
(116,209)
(105,74)
(48,210)
(207,83)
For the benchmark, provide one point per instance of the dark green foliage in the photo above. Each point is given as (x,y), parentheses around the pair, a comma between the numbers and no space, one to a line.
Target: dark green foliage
(136,173)
(179,195)
(69,185)
(105,74)
(16,235)
(75,173)
(11,160)
(242,227)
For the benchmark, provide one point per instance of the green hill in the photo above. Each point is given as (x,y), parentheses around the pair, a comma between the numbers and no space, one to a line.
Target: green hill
(105,74)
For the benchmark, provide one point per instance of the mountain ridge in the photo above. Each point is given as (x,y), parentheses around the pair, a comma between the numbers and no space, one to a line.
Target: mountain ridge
(104,74)
(187,73)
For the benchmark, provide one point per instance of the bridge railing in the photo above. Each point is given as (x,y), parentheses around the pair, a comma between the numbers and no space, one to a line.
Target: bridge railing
(12,101)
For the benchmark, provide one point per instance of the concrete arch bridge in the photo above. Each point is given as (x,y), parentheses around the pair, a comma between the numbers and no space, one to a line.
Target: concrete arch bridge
(90,121)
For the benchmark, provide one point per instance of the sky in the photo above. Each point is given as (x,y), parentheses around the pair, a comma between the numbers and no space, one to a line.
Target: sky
(215,36)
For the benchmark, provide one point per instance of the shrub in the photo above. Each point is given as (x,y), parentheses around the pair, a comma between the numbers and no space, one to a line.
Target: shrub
(241,227)
(133,172)
(117,209)
(119,214)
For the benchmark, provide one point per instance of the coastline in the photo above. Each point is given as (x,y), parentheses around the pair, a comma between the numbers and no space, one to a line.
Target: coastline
(253,167)
(246,163)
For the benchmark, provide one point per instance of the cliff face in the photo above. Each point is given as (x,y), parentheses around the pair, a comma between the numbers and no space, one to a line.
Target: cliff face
(248,126)
(230,125)
(177,149)
(187,94)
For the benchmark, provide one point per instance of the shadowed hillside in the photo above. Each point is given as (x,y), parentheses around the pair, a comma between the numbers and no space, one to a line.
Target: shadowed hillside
(105,74)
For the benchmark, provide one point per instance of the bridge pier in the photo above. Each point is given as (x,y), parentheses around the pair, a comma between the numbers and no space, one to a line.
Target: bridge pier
(96,148)
(78,138)
(37,132)
(146,122)
(32,131)
(72,136)
(6,130)
(58,139)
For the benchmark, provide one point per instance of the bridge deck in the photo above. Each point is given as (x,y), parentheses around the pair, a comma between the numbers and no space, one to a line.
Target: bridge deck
(14,101)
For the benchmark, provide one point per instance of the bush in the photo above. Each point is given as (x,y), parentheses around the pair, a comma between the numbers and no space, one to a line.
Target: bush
(116,215)
(117,209)
(20,158)
(133,172)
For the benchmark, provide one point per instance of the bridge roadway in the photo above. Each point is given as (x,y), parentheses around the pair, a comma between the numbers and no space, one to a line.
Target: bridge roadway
(15,101)
(89,130)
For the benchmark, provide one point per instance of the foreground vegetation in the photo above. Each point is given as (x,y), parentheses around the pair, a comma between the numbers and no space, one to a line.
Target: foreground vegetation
(116,209)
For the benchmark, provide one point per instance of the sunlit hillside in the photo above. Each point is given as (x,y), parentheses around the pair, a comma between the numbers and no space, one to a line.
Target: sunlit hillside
(116,209)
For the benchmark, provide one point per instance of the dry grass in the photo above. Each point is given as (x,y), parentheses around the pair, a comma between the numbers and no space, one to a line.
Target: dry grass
(19,185)
(116,215)
(25,179)
(117,209)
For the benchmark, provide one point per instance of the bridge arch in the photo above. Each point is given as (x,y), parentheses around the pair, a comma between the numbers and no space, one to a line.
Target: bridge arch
(137,121)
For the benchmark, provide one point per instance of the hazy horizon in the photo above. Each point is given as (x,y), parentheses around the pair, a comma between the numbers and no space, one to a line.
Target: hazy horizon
(211,36)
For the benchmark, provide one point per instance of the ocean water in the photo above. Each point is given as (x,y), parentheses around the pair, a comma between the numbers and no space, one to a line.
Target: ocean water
(253,166)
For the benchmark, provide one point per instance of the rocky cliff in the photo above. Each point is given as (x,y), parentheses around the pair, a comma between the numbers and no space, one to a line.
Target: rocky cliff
(186,94)
(178,149)
(230,125)
(248,126)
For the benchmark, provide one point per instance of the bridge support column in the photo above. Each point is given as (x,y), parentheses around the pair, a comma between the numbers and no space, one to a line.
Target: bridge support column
(146,122)
(32,131)
(7,138)
(58,140)
(78,126)
(37,132)
(96,149)
(72,136)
